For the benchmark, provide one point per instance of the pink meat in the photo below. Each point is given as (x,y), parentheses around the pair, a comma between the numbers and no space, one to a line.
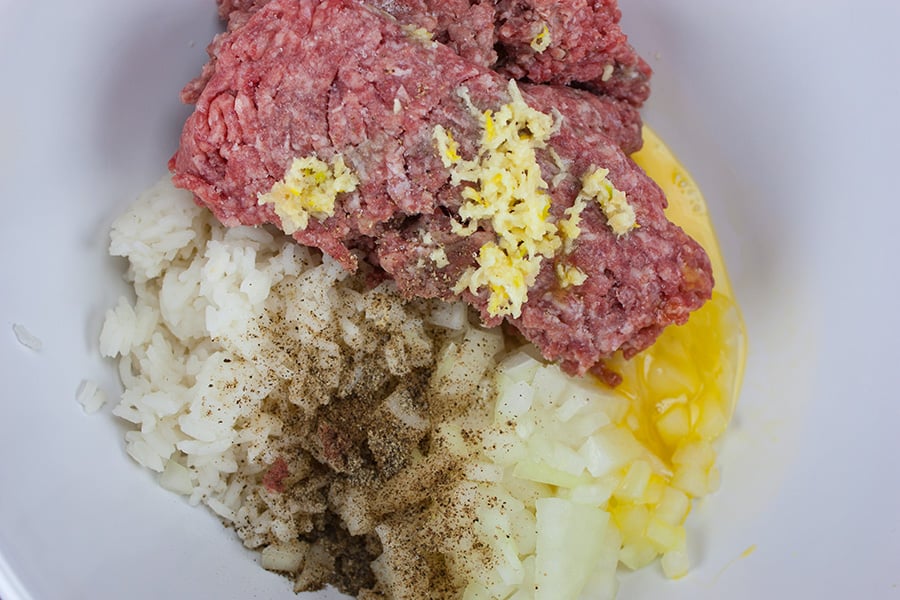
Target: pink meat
(302,77)
(587,48)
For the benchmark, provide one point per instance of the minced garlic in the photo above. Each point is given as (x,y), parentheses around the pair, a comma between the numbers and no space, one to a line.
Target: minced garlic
(449,148)
(570,227)
(569,275)
(561,166)
(508,192)
(421,35)
(619,214)
(309,188)
(542,40)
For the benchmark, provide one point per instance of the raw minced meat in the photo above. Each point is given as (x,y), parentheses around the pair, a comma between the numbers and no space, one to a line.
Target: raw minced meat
(336,78)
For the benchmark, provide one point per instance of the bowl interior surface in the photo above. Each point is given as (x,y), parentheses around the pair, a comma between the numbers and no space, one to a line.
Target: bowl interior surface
(792,140)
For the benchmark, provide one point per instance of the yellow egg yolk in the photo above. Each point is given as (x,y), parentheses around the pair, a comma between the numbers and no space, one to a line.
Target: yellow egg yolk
(683,389)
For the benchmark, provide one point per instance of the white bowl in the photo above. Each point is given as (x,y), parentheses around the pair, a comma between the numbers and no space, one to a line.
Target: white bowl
(786,114)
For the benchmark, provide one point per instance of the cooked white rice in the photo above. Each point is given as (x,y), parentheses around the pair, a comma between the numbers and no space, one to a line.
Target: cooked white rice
(26,338)
(90,396)
(227,326)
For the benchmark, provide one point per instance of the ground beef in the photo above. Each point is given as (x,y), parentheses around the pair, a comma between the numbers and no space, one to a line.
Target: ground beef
(301,77)
(466,27)
(227,7)
(587,46)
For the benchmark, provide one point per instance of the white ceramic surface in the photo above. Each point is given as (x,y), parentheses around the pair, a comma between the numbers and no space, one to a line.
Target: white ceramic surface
(785,112)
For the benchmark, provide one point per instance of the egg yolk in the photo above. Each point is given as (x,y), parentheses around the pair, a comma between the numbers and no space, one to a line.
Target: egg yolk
(683,389)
